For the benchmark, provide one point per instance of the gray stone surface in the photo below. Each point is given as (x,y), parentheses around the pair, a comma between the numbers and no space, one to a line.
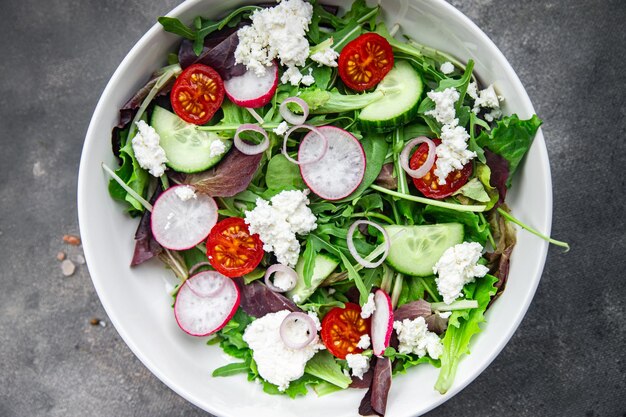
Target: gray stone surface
(567,357)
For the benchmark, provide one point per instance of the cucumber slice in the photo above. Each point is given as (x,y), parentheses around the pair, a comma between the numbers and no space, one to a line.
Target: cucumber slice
(416,249)
(323,267)
(403,89)
(187,149)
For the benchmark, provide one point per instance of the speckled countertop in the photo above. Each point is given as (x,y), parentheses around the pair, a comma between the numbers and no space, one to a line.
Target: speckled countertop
(566,359)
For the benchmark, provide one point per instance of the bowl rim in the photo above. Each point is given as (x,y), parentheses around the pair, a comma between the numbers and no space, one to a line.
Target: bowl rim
(128,338)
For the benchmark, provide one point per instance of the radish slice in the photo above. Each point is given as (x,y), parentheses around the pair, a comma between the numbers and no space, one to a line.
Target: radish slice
(202,315)
(382,322)
(341,168)
(246,148)
(286,273)
(315,156)
(291,117)
(406,155)
(250,90)
(179,224)
(297,330)
(364,262)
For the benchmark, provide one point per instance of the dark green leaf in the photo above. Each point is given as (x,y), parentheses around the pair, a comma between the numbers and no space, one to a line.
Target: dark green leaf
(175,26)
(281,173)
(231,369)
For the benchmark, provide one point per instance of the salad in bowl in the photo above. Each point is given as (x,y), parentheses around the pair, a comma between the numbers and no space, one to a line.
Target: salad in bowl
(330,196)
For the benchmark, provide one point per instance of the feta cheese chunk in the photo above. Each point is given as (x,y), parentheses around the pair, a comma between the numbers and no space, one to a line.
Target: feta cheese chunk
(458,266)
(281,128)
(415,338)
(444,111)
(308,79)
(277,363)
(327,56)
(278,221)
(452,152)
(276,32)
(185,193)
(364,342)
(292,75)
(148,152)
(487,98)
(216,148)
(359,364)
(369,307)
(447,68)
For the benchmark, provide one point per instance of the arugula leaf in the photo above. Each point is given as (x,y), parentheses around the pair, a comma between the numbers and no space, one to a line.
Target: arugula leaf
(296,388)
(282,174)
(231,369)
(511,138)
(324,366)
(460,330)
(402,361)
(204,27)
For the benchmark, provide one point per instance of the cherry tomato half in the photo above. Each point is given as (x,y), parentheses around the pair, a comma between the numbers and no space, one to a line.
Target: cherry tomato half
(428,184)
(342,329)
(365,61)
(231,249)
(197,94)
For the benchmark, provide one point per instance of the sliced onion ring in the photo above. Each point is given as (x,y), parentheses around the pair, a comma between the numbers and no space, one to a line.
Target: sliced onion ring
(311,128)
(291,117)
(247,148)
(276,268)
(204,293)
(363,262)
(286,335)
(406,155)
(197,266)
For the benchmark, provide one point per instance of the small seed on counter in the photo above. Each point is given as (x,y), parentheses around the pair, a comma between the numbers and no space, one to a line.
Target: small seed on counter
(79,259)
(71,240)
(60,256)
(94,322)
(68,267)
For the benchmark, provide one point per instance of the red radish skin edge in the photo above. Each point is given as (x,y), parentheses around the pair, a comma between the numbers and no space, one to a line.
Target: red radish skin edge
(364,165)
(190,246)
(221,326)
(383,306)
(258,101)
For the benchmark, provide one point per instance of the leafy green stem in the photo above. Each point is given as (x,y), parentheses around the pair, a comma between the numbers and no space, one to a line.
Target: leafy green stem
(428,201)
(374,215)
(512,219)
(457,305)
(126,188)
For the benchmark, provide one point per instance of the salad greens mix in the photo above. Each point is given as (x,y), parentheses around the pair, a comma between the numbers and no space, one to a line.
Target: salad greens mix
(296,164)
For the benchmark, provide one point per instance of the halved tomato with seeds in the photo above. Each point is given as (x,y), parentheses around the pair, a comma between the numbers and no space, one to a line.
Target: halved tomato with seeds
(197,94)
(365,61)
(428,184)
(342,329)
(231,249)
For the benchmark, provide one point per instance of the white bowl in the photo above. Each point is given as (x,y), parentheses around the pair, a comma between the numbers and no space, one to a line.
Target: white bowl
(137,300)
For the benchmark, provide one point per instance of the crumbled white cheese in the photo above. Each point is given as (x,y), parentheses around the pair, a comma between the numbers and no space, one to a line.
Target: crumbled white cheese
(308,79)
(327,56)
(216,148)
(292,75)
(493,114)
(331,291)
(364,342)
(148,152)
(277,224)
(487,98)
(359,364)
(452,153)
(444,111)
(444,314)
(281,128)
(296,299)
(283,280)
(458,266)
(277,363)
(472,90)
(276,32)
(414,337)
(369,307)
(447,68)
(185,193)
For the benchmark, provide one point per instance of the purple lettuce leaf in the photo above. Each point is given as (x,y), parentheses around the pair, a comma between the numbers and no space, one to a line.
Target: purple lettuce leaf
(257,300)
(231,176)
(145,246)
(415,309)
(366,382)
(499,259)
(375,400)
(386,178)
(499,167)
(218,53)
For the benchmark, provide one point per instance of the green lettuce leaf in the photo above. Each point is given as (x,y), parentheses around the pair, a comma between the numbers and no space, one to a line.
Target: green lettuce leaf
(511,138)
(462,326)
(474,190)
(324,366)
(282,174)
